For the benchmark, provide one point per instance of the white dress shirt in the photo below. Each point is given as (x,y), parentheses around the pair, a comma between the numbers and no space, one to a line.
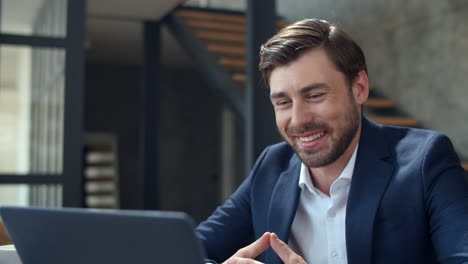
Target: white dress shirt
(318,230)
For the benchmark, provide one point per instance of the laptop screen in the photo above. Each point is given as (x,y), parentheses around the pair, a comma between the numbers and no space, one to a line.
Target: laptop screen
(73,235)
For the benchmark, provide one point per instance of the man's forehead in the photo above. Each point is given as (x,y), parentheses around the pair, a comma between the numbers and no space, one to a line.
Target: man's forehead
(312,67)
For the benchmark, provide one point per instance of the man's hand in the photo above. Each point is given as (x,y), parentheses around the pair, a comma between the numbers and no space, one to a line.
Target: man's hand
(284,252)
(247,254)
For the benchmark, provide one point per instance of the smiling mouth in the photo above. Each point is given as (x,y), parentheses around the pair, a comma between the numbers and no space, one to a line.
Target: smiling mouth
(311,137)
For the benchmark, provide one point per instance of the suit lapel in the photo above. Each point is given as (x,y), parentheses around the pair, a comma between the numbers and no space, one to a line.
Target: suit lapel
(283,205)
(372,173)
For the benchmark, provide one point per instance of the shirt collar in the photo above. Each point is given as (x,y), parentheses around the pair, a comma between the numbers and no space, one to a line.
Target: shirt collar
(305,181)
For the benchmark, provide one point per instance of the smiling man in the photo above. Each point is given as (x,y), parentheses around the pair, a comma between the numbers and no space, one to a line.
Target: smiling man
(341,189)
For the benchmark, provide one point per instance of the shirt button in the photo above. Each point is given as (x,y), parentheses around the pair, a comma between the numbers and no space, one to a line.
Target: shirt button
(331,214)
(334,254)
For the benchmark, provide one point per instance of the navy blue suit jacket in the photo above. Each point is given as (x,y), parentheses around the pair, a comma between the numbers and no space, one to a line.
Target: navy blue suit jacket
(408,201)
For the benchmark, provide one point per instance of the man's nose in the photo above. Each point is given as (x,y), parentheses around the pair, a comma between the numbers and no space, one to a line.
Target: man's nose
(300,115)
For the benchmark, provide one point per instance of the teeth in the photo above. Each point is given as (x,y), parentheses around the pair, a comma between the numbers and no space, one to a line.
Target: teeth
(310,138)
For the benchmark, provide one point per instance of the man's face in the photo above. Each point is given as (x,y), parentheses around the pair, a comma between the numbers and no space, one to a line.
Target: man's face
(315,107)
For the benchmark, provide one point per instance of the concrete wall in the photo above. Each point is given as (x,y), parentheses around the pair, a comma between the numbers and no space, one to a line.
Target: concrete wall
(417,53)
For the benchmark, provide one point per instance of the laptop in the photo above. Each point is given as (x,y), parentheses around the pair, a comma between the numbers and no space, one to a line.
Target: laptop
(88,236)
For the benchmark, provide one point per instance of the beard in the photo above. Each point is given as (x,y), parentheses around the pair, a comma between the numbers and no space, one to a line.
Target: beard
(340,138)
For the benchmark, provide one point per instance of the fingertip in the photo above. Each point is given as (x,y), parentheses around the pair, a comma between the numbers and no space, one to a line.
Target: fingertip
(275,240)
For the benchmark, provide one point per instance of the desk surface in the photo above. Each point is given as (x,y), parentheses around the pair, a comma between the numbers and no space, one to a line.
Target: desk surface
(8,255)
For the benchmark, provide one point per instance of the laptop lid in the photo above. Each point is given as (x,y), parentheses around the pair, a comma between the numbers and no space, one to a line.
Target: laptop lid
(86,236)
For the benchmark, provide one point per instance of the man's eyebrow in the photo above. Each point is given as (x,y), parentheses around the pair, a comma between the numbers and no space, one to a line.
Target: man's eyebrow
(305,89)
(313,86)
(277,95)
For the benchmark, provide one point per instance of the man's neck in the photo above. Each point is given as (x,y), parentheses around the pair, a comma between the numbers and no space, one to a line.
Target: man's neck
(323,177)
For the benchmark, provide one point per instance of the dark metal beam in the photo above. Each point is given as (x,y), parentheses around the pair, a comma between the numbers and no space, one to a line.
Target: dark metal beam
(74,89)
(149,125)
(34,41)
(219,80)
(30,179)
(260,128)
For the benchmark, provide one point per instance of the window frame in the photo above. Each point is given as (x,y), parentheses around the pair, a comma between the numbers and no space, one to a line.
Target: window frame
(73,44)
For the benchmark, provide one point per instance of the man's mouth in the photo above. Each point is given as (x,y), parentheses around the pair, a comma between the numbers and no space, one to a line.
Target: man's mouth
(311,137)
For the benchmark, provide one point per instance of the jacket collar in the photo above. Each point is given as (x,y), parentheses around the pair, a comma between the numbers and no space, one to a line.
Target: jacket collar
(372,172)
(283,205)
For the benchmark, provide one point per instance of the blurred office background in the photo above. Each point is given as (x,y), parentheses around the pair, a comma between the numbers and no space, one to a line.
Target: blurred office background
(153,104)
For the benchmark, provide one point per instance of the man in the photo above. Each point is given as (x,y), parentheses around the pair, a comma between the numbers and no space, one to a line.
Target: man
(341,189)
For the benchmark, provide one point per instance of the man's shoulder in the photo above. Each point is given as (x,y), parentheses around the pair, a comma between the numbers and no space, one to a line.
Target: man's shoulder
(392,134)
(276,158)
(281,148)
(410,143)
(280,151)
(409,135)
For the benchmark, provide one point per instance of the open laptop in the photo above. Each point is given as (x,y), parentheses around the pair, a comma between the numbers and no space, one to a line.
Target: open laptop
(87,236)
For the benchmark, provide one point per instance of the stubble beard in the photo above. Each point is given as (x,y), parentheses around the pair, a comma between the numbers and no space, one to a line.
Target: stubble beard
(339,141)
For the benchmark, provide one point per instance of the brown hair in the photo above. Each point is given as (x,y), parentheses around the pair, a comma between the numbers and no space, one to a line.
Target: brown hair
(294,40)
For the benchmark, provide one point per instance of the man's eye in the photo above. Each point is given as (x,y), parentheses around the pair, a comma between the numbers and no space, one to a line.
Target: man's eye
(282,102)
(315,96)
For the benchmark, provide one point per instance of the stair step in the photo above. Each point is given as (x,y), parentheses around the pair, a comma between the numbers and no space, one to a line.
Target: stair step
(395,121)
(220,26)
(239,77)
(233,64)
(227,50)
(211,16)
(238,38)
(281,24)
(465,166)
(379,103)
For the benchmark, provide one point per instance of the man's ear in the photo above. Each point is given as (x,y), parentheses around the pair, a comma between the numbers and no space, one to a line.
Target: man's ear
(361,88)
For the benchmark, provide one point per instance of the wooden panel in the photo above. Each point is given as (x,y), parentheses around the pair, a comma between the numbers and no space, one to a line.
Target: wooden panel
(211,16)
(227,50)
(225,27)
(465,166)
(239,77)
(379,103)
(4,238)
(395,121)
(220,36)
(220,17)
(281,24)
(233,64)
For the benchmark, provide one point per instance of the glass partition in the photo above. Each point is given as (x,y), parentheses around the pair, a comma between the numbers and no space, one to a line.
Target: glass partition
(45,18)
(44,195)
(31,109)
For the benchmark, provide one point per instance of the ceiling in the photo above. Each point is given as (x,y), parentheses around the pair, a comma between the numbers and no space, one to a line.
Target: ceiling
(135,9)
(114,28)
(114,31)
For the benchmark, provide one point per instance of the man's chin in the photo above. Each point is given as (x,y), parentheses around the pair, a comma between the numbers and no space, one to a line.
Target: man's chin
(315,160)
(312,158)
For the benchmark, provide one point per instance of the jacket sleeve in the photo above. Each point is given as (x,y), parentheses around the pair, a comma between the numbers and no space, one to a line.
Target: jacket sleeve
(229,228)
(446,195)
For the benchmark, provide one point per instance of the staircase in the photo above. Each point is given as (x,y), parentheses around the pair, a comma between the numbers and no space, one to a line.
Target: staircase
(224,35)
